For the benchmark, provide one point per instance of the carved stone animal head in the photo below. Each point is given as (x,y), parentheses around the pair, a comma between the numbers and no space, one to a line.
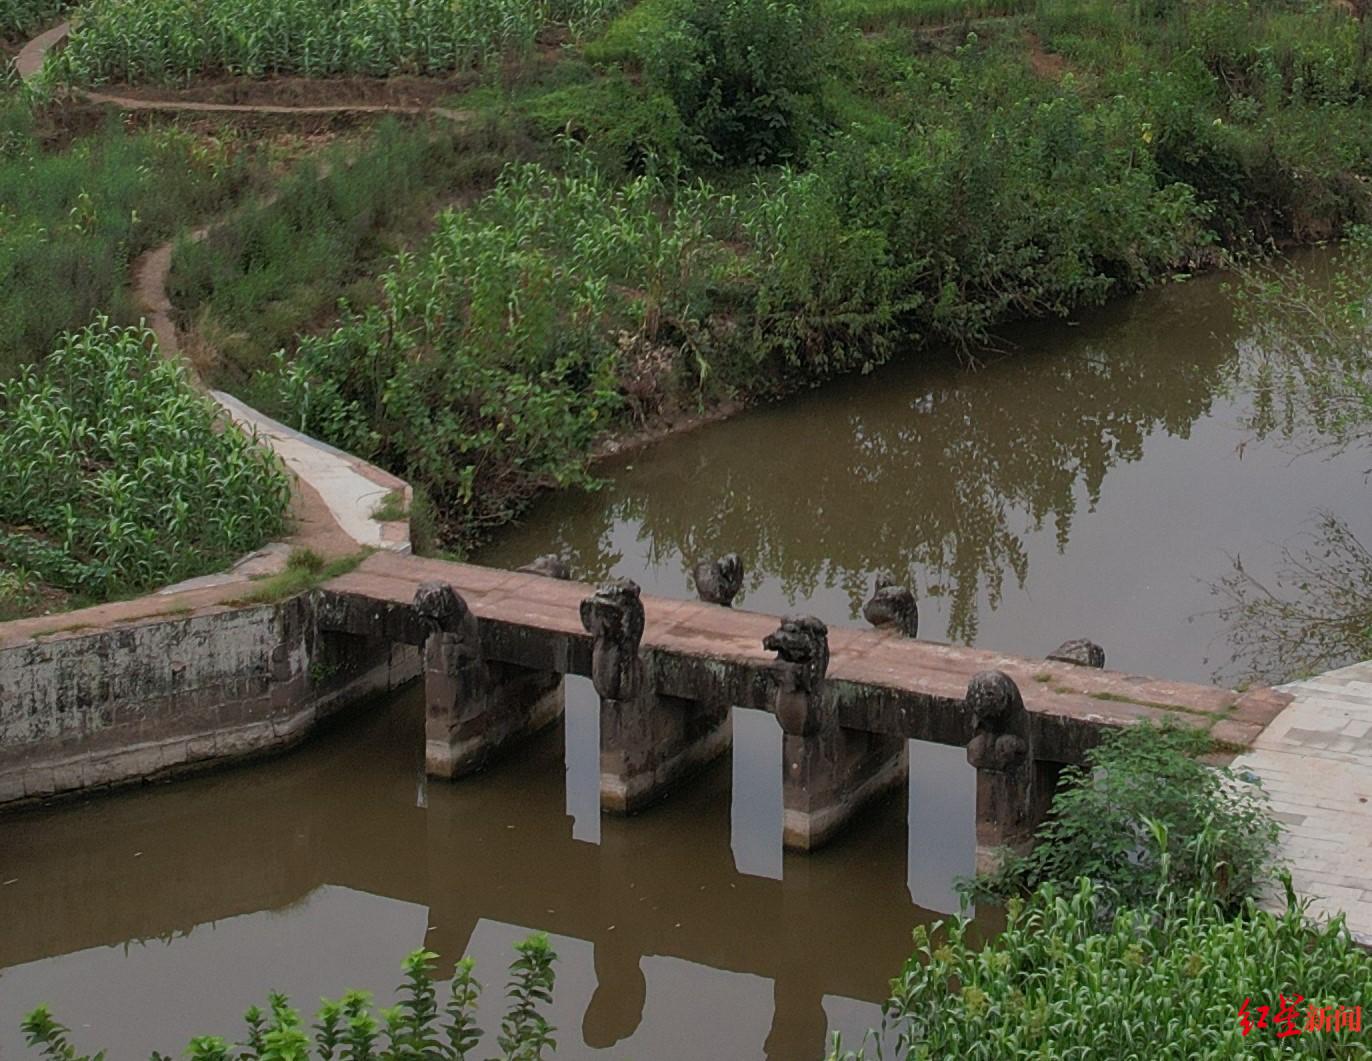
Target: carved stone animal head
(549,566)
(803,641)
(1081,652)
(615,613)
(615,617)
(892,607)
(441,607)
(719,581)
(995,701)
(1000,726)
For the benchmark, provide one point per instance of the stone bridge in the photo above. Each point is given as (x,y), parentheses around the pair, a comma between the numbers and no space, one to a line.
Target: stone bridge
(496,645)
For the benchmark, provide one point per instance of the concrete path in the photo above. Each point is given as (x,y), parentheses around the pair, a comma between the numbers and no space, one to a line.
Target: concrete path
(351,488)
(1315,761)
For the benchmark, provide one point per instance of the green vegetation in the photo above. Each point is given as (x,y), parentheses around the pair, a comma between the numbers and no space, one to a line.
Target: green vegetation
(492,362)
(744,75)
(279,267)
(116,475)
(1166,981)
(20,18)
(171,41)
(411,1030)
(1132,930)
(73,221)
(935,184)
(304,570)
(1144,817)
(392,507)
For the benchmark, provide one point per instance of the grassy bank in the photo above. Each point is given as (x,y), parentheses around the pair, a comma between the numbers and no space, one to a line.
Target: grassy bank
(77,206)
(780,193)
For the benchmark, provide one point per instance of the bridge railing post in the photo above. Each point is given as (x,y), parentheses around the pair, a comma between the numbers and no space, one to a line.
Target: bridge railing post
(1014,789)
(474,708)
(829,773)
(648,740)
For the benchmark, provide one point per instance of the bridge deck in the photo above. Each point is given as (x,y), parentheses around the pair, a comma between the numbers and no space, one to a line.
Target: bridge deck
(884,683)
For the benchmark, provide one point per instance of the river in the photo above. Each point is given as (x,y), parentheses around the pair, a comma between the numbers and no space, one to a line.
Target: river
(1093,484)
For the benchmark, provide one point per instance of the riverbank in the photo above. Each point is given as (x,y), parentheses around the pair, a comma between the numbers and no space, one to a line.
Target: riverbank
(925,181)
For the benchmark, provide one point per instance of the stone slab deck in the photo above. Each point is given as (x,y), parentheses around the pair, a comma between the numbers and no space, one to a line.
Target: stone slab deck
(892,685)
(1315,761)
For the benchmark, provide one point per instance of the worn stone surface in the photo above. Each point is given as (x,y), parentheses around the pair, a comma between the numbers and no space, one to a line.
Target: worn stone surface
(802,647)
(827,778)
(1315,762)
(549,566)
(650,742)
(1081,652)
(1010,804)
(164,695)
(892,607)
(614,617)
(876,680)
(719,581)
(474,708)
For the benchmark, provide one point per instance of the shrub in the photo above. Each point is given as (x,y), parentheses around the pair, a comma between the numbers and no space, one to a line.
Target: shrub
(117,475)
(1145,817)
(745,75)
(494,360)
(1164,983)
(411,1030)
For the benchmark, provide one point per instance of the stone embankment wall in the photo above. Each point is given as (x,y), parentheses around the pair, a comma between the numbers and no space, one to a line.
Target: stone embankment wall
(165,695)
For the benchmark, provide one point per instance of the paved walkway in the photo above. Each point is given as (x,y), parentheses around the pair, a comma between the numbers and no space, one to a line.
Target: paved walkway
(351,488)
(1315,761)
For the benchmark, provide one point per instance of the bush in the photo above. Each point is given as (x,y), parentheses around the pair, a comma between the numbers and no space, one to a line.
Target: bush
(117,475)
(744,75)
(1165,983)
(1144,817)
(496,357)
(411,1030)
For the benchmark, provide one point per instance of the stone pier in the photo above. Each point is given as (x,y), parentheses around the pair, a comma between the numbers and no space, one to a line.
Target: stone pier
(829,773)
(1014,787)
(474,707)
(649,740)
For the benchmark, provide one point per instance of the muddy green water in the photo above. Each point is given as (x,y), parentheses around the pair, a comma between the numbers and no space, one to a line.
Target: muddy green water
(1091,485)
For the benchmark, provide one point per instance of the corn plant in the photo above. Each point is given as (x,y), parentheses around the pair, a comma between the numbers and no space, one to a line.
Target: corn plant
(18,18)
(492,363)
(165,41)
(115,474)
(411,1030)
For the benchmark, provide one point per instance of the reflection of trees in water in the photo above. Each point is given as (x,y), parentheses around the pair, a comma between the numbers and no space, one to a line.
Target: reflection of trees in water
(1314,614)
(1308,365)
(947,481)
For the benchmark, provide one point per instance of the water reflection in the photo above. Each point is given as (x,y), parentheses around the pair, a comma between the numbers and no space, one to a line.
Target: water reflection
(148,916)
(1087,486)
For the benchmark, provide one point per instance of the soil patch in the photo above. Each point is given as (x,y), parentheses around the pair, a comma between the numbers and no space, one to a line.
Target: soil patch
(415,92)
(1048,65)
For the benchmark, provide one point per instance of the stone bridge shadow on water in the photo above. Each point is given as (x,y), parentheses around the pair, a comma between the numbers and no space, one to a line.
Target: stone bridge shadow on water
(353,810)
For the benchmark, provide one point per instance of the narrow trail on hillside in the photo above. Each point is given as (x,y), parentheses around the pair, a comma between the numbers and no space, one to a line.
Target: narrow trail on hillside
(151,269)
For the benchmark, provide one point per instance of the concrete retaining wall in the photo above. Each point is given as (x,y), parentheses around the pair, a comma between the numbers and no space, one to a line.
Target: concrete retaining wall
(165,695)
